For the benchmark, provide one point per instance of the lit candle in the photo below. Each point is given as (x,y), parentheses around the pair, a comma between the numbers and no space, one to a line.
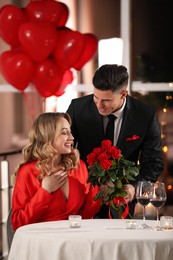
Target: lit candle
(75,224)
(166,222)
(131,224)
(75,221)
(167,226)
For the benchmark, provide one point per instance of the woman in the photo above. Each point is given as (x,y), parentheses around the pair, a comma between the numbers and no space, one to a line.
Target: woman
(51,182)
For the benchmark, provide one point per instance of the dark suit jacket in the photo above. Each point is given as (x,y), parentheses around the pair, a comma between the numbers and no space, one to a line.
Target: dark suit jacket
(138,119)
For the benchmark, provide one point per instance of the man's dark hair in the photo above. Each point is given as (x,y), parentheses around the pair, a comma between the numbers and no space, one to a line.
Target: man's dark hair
(110,77)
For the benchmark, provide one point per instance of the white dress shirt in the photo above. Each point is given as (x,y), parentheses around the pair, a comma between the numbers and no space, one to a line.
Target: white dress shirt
(117,122)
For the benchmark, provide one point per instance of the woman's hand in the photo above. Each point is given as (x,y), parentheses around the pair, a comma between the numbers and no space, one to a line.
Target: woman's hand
(53,182)
(104,188)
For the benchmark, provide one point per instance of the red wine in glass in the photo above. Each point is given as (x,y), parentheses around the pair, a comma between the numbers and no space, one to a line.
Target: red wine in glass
(157,203)
(158,199)
(143,190)
(143,201)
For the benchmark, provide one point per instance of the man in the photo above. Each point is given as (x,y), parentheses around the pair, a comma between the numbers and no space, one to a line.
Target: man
(136,128)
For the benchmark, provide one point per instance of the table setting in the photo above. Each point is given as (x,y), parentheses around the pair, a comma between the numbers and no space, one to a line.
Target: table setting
(100,239)
(95,239)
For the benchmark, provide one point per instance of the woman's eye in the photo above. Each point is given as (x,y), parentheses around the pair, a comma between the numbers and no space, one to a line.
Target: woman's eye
(66,133)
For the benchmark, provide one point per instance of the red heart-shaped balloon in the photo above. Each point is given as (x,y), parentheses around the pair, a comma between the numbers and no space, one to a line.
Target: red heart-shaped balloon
(59,93)
(11,17)
(47,11)
(66,79)
(47,78)
(17,68)
(64,15)
(91,44)
(37,39)
(69,47)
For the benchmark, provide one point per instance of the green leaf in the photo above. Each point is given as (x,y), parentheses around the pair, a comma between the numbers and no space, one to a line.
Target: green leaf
(98,196)
(119,184)
(130,178)
(121,194)
(113,205)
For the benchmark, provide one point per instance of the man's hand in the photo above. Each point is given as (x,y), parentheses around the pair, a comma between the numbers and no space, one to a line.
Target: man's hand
(130,189)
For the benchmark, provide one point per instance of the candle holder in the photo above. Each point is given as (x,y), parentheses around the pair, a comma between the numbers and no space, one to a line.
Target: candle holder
(74,221)
(166,222)
(131,224)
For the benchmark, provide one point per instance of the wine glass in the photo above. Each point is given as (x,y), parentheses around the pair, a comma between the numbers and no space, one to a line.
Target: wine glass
(143,192)
(158,199)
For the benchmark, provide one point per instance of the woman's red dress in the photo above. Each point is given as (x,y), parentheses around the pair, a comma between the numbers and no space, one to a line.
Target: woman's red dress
(32,204)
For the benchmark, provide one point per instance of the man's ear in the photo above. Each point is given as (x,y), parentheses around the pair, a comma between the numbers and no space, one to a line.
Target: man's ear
(124,93)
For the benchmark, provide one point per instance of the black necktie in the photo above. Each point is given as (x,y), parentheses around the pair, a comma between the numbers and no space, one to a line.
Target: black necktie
(110,128)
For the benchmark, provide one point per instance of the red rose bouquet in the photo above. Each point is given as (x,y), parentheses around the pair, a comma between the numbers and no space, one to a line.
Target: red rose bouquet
(108,167)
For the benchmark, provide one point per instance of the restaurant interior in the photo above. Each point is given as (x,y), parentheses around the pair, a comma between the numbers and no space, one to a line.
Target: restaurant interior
(141,32)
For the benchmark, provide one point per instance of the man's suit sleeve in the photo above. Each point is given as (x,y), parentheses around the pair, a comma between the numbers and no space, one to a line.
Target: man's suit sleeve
(151,160)
(71,112)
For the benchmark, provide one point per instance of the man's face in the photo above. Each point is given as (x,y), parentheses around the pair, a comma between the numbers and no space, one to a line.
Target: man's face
(107,101)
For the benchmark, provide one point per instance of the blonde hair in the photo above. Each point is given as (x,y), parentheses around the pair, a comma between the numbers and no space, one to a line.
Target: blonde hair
(40,146)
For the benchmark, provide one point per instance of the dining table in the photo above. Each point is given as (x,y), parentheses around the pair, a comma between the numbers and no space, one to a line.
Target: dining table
(95,239)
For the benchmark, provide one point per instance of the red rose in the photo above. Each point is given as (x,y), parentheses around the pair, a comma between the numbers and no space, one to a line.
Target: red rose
(106,143)
(103,156)
(97,150)
(114,152)
(91,158)
(105,164)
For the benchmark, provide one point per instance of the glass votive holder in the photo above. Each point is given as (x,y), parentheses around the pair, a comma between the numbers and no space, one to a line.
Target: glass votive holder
(131,224)
(75,221)
(166,222)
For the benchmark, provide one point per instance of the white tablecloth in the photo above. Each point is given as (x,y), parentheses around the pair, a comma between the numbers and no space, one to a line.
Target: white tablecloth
(96,239)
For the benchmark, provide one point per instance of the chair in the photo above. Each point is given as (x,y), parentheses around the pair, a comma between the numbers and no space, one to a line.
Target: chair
(10,231)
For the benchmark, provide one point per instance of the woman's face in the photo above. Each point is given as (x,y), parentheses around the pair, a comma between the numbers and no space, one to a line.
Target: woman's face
(63,140)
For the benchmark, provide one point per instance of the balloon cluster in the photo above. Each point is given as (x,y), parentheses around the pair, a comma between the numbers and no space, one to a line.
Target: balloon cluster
(42,49)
